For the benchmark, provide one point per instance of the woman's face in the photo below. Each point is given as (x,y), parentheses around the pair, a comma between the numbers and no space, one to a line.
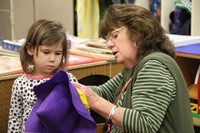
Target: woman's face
(122,47)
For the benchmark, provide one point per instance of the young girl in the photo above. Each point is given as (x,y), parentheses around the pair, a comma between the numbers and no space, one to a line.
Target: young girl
(42,55)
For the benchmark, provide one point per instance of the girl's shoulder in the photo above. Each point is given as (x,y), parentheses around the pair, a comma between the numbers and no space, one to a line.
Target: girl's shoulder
(21,78)
(28,79)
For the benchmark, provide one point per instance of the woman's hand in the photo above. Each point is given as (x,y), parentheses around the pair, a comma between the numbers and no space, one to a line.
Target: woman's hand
(91,96)
(100,105)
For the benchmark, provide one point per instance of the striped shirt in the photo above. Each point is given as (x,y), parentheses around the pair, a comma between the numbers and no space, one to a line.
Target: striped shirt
(152,92)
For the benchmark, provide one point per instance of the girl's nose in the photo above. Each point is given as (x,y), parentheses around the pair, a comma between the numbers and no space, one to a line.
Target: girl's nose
(52,58)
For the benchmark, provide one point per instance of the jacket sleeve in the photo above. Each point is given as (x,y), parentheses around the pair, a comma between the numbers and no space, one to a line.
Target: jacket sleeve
(152,93)
(108,89)
(15,121)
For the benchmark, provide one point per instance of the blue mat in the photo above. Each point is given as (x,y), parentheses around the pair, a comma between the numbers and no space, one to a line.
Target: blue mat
(189,49)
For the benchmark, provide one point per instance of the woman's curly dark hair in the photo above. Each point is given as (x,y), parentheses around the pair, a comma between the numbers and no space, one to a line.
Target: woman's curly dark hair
(143,28)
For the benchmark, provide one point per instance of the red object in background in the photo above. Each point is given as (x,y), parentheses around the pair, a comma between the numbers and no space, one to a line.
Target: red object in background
(79,59)
(11,65)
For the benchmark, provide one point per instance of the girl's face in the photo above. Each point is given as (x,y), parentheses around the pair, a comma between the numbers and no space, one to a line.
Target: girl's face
(122,47)
(47,60)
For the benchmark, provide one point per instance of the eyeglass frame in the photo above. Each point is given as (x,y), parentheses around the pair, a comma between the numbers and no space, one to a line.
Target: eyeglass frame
(111,35)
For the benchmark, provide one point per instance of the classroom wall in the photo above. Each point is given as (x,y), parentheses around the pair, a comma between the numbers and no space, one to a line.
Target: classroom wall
(16,16)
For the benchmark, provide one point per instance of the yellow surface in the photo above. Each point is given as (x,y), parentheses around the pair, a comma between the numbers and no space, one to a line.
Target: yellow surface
(88,18)
(83,99)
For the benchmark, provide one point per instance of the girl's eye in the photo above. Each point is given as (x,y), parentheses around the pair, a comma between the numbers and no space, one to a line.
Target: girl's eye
(58,53)
(46,52)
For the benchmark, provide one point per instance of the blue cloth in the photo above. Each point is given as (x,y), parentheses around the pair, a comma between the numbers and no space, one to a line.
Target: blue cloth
(58,109)
(189,49)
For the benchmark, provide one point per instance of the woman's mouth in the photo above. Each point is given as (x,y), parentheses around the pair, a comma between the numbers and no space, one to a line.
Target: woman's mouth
(114,53)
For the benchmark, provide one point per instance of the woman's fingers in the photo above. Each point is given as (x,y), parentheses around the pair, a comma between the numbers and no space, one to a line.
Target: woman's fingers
(81,87)
(76,84)
(91,96)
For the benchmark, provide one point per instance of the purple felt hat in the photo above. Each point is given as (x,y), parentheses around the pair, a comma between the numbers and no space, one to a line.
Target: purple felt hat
(58,108)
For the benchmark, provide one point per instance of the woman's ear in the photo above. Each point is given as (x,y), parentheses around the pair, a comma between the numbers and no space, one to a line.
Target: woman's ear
(135,45)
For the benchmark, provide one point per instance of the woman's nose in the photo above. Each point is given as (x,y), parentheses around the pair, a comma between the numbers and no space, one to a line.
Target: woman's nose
(109,43)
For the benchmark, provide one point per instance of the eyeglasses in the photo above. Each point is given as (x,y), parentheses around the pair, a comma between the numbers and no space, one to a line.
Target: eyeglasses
(112,36)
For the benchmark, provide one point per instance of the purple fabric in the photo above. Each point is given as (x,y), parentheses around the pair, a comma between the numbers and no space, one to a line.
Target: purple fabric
(58,109)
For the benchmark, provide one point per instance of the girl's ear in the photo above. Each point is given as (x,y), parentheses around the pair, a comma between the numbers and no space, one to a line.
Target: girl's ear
(30,51)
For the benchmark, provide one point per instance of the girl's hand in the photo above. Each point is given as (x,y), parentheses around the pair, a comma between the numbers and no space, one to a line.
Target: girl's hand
(91,96)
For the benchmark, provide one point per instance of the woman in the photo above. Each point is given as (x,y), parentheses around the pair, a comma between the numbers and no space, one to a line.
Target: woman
(147,96)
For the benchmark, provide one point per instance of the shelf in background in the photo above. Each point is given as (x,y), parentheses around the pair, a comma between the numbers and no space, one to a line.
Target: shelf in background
(193,91)
(8,52)
(188,55)
(196,119)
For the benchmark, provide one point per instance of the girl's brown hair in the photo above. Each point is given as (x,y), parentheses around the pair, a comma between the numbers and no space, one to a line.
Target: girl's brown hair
(43,32)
